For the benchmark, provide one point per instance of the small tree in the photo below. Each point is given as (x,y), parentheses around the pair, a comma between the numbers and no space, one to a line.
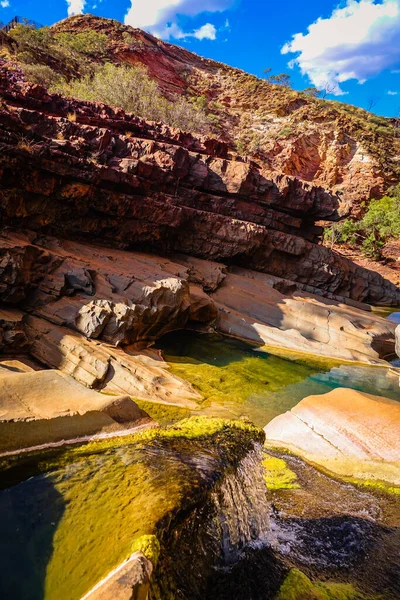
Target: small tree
(89,42)
(329,87)
(313,92)
(282,79)
(372,102)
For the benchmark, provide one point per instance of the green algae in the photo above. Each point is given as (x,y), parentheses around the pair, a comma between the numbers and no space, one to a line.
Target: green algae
(14,468)
(236,379)
(149,546)
(164,414)
(277,475)
(298,586)
(233,378)
(80,517)
(374,485)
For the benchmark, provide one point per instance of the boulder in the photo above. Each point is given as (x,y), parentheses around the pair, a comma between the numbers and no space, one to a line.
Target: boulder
(345,432)
(40,407)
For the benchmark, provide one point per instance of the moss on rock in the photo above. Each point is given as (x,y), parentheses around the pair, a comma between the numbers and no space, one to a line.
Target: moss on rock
(277,475)
(298,586)
(115,493)
(149,546)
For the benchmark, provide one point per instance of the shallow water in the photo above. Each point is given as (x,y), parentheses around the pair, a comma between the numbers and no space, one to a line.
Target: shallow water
(61,531)
(395,317)
(237,380)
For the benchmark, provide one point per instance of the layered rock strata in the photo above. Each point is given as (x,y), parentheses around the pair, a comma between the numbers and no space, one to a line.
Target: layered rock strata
(75,172)
(90,311)
(117,179)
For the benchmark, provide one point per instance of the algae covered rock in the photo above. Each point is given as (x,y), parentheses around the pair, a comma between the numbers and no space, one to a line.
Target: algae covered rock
(97,503)
(297,586)
(278,476)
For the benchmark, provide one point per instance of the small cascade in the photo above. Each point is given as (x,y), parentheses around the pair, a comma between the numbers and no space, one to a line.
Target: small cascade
(241,509)
(226,539)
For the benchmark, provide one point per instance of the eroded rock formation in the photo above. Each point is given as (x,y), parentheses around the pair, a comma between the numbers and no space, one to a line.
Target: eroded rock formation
(162,190)
(345,149)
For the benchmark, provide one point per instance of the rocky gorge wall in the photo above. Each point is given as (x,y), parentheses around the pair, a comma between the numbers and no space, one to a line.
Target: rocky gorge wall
(334,145)
(113,178)
(84,187)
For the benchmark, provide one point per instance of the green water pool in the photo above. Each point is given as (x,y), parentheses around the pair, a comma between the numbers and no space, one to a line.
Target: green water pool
(236,380)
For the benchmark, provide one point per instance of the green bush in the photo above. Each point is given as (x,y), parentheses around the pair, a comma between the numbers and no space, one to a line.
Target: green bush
(380,224)
(41,74)
(131,89)
(88,42)
(28,37)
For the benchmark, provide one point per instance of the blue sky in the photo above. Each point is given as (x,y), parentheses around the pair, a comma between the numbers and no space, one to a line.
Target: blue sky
(351,47)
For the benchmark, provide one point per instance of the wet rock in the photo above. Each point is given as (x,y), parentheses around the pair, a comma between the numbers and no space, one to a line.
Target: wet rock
(398,340)
(349,433)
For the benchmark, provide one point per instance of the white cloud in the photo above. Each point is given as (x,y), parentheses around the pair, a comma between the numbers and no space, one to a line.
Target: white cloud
(75,7)
(160,17)
(5,3)
(357,42)
(205,32)
(392,93)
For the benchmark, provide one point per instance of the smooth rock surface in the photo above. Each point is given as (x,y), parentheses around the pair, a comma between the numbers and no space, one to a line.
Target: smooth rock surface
(251,306)
(346,432)
(38,407)
(130,581)
(100,366)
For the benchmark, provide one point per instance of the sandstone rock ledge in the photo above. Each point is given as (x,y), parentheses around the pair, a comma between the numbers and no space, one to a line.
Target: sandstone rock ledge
(130,580)
(80,305)
(348,433)
(40,407)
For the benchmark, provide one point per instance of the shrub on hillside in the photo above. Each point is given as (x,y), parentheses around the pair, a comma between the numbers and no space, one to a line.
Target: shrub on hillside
(41,74)
(30,38)
(131,89)
(88,42)
(380,224)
